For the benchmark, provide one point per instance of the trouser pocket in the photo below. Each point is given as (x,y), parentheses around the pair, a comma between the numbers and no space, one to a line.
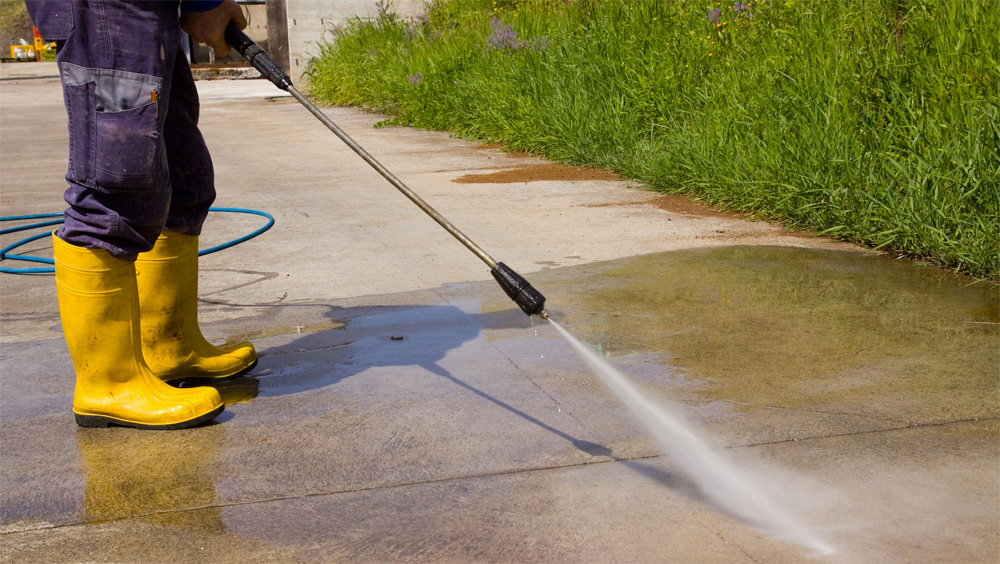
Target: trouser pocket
(129,149)
(115,128)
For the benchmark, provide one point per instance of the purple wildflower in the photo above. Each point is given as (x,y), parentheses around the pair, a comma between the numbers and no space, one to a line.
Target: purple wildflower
(539,43)
(504,38)
(715,16)
(415,79)
(742,9)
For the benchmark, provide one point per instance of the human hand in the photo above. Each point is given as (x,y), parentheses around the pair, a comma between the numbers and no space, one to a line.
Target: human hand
(209,27)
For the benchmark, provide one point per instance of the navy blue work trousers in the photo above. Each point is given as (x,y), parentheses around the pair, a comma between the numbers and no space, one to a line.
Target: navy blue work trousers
(137,162)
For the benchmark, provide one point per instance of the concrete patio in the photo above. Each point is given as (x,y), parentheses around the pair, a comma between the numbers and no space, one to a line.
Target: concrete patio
(405,410)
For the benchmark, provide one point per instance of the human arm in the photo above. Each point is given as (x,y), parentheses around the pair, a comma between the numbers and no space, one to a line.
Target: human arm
(208,26)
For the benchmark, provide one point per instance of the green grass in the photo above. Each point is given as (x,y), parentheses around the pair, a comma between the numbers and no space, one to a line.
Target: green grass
(823,115)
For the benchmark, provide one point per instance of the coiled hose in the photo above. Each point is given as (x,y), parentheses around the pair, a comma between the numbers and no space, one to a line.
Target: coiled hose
(5,252)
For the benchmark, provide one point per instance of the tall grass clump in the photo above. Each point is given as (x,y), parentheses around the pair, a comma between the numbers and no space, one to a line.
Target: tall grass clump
(875,121)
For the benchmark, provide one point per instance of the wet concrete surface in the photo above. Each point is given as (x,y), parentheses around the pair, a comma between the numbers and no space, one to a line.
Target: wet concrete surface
(803,329)
(441,425)
(403,410)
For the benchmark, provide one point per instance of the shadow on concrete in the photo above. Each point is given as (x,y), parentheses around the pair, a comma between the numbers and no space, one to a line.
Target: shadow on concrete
(588,447)
(366,338)
(378,337)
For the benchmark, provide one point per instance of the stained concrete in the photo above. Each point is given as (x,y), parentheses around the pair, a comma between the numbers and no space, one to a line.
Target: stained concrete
(403,410)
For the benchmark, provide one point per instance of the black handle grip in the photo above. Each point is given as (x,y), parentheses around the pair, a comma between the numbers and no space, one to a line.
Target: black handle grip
(257,57)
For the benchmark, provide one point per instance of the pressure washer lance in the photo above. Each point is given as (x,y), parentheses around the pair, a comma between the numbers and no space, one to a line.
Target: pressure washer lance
(530,300)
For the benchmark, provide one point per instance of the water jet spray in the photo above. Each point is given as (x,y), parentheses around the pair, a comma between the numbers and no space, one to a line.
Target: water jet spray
(530,300)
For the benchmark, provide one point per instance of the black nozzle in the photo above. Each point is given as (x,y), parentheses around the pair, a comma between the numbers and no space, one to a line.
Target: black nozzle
(257,57)
(527,298)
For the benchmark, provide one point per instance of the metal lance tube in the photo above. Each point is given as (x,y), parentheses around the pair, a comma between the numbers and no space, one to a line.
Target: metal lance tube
(517,288)
(469,243)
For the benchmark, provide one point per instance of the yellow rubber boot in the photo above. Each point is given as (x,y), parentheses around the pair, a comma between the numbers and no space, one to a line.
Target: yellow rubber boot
(99,307)
(172,343)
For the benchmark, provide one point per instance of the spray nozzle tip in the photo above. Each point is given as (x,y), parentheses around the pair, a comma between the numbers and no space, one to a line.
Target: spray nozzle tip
(517,288)
(543,314)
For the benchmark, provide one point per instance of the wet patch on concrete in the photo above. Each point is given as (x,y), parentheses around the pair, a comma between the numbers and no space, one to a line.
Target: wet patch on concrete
(808,329)
(781,349)
(538,172)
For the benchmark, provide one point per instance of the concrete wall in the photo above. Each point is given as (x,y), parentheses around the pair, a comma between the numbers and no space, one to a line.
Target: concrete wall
(307,20)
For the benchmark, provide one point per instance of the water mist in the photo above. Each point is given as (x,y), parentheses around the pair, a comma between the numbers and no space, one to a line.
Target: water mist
(714,475)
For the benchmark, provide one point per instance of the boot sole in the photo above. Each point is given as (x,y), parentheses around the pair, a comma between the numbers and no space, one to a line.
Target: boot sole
(194,381)
(101,422)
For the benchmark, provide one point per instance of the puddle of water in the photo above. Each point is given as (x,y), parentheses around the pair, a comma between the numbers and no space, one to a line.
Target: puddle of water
(799,328)
(715,476)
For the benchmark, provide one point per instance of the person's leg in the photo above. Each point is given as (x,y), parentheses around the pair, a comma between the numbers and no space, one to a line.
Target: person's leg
(116,66)
(172,343)
(192,176)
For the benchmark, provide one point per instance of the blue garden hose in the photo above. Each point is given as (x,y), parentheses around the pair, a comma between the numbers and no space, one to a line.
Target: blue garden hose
(4,253)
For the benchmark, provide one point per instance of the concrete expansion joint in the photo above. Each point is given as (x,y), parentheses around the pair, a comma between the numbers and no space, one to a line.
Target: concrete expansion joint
(299,351)
(609,460)
(527,376)
(39,77)
(826,411)
(318,494)
(722,538)
(908,426)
